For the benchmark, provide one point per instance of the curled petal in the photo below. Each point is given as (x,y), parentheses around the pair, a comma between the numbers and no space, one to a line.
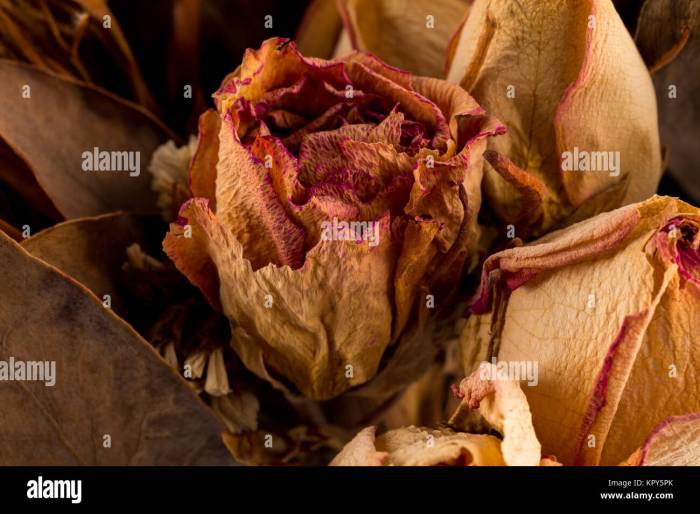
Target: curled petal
(673,442)
(504,406)
(321,323)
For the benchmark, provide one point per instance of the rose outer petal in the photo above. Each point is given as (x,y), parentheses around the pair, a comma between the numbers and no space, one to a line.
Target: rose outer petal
(310,323)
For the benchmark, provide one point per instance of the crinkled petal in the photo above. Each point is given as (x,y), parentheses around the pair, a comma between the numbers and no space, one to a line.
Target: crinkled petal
(311,323)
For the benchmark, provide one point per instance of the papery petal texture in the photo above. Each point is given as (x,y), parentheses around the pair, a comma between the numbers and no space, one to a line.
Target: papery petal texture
(329,196)
(566,79)
(618,352)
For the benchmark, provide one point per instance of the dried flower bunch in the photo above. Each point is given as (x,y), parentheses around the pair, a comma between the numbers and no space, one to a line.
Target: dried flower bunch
(415,234)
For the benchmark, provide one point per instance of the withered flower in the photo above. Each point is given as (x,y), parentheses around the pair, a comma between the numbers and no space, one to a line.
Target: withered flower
(501,403)
(333,200)
(607,310)
(567,80)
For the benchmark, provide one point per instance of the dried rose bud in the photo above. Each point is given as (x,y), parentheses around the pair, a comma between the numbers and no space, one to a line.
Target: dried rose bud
(567,80)
(606,313)
(334,199)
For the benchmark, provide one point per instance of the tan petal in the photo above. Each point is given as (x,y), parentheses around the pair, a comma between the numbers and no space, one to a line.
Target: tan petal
(319,31)
(604,345)
(246,202)
(238,410)
(666,364)
(413,39)
(416,256)
(673,442)
(504,406)
(216,383)
(560,75)
(197,362)
(168,168)
(360,451)
(202,173)
(313,340)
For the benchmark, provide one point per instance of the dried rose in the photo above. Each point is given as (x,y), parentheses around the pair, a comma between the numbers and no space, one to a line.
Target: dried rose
(568,82)
(605,312)
(413,36)
(333,197)
(502,404)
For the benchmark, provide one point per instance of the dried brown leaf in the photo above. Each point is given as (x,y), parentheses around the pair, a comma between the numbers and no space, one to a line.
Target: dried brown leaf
(108,381)
(92,251)
(64,118)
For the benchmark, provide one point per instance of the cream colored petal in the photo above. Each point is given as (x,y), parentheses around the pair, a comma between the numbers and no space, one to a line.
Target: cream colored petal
(216,383)
(360,451)
(560,74)
(503,405)
(168,352)
(414,446)
(168,166)
(197,362)
(666,374)
(414,37)
(599,347)
(673,442)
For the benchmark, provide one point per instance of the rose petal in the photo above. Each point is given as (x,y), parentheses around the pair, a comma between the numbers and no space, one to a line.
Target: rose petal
(203,166)
(414,446)
(625,319)
(312,340)
(504,58)
(414,39)
(673,442)
(504,406)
